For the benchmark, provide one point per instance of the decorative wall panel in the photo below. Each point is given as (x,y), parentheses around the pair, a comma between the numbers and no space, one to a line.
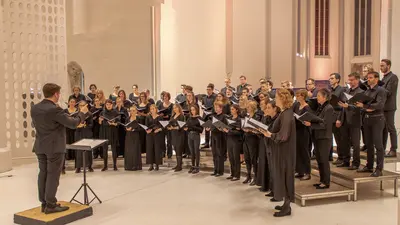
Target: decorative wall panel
(34,54)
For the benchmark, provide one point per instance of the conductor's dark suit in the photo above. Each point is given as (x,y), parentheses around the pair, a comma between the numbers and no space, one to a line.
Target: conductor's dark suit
(50,122)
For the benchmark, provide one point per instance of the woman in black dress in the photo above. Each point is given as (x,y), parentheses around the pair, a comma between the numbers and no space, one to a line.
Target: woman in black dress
(178,135)
(77,94)
(70,133)
(100,95)
(109,119)
(133,155)
(250,145)
(93,93)
(217,141)
(155,139)
(194,129)
(322,134)
(227,106)
(123,112)
(125,102)
(303,164)
(283,134)
(96,112)
(190,101)
(113,97)
(263,173)
(165,111)
(272,112)
(84,130)
(234,142)
(143,110)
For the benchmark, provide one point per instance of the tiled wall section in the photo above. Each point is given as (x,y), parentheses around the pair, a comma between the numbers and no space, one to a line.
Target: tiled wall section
(34,54)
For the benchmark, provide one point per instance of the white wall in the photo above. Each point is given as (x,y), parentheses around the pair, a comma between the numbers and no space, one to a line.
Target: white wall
(395,51)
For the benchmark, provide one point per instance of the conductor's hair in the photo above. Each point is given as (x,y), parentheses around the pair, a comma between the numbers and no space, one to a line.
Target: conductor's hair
(355,75)
(376,74)
(50,89)
(325,93)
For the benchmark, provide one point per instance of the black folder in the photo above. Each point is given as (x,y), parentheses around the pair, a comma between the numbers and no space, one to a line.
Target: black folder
(207,124)
(219,124)
(309,117)
(360,97)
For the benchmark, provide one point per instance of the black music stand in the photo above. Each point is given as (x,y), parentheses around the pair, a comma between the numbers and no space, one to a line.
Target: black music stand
(86,145)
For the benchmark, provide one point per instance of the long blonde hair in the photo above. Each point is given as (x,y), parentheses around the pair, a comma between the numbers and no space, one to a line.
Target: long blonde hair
(103,98)
(285,97)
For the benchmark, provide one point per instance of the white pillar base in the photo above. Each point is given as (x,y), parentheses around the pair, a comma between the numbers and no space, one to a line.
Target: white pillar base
(5,160)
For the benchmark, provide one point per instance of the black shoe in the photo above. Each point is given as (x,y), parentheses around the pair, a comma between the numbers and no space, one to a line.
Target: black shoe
(316,185)
(337,162)
(353,167)
(248,179)
(235,179)
(104,169)
(263,190)
(213,174)
(178,169)
(271,194)
(219,175)
(229,178)
(195,171)
(115,168)
(151,168)
(278,207)
(274,200)
(205,146)
(377,173)
(391,154)
(283,213)
(77,170)
(322,186)
(306,177)
(43,206)
(157,168)
(253,182)
(91,170)
(343,165)
(63,171)
(365,170)
(191,170)
(58,208)
(173,168)
(298,175)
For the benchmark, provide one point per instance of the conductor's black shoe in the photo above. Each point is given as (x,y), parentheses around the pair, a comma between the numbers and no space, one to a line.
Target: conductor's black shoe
(43,207)
(353,167)
(91,169)
(306,177)
(377,173)
(283,213)
(248,179)
(365,170)
(63,171)
(275,200)
(278,207)
(343,165)
(322,186)
(78,170)
(229,178)
(271,194)
(391,154)
(235,179)
(57,209)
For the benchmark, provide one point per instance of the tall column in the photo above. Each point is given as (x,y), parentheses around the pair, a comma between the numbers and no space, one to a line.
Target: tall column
(5,153)
(79,11)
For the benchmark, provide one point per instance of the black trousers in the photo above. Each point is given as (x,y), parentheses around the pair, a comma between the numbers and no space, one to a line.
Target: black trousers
(338,139)
(114,155)
(303,157)
(351,137)
(207,134)
(322,150)
(194,145)
(391,129)
(234,146)
(250,149)
(373,128)
(169,144)
(79,159)
(50,166)
(217,152)
(186,149)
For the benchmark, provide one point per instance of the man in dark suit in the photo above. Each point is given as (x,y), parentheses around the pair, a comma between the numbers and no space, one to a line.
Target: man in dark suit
(349,121)
(243,84)
(390,81)
(227,86)
(50,121)
(311,89)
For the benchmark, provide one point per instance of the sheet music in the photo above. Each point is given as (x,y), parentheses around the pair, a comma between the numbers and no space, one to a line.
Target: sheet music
(181,124)
(89,142)
(201,122)
(259,124)
(347,96)
(164,123)
(143,126)
(207,113)
(296,116)
(230,121)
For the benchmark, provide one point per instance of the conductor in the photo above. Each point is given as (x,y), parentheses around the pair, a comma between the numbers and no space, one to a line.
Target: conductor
(50,122)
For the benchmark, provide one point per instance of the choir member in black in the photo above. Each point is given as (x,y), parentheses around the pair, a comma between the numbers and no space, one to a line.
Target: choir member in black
(303,165)
(227,106)
(77,94)
(194,129)
(125,102)
(261,81)
(208,102)
(70,133)
(243,102)
(93,93)
(232,98)
(374,122)
(134,96)
(272,112)
(160,101)
(243,84)
(350,122)
(109,131)
(133,154)
(390,82)
(84,130)
(147,91)
(312,91)
(322,134)
(177,134)
(123,113)
(337,90)
(113,97)
(283,134)
(260,98)
(100,95)
(182,96)
(217,143)
(250,145)
(227,86)
(165,106)
(155,139)
(190,101)
(267,87)
(96,112)
(234,142)
(262,178)
(143,111)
